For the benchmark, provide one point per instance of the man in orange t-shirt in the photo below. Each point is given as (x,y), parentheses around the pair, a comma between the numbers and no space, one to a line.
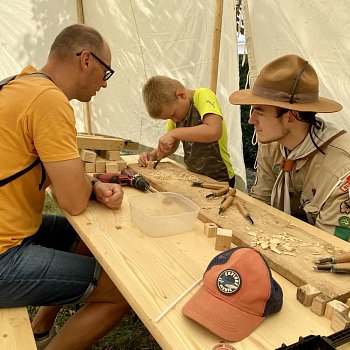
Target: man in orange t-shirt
(39,260)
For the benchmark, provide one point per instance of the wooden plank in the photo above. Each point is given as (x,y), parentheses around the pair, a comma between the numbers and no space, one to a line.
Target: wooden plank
(100,143)
(152,272)
(15,329)
(309,242)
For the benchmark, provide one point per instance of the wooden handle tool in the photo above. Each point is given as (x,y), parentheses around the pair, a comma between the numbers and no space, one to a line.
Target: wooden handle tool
(210,185)
(218,193)
(225,204)
(337,268)
(240,205)
(160,156)
(341,258)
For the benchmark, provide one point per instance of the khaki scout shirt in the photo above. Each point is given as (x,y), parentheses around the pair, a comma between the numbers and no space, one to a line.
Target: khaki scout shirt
(319,189)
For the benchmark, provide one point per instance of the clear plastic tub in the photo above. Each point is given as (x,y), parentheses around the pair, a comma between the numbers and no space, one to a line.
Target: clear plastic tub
(163,213)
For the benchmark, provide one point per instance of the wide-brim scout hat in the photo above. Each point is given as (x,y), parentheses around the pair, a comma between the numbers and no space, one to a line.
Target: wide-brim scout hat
(288,82)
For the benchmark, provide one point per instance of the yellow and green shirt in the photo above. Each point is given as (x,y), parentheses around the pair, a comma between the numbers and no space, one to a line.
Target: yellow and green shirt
(211,159)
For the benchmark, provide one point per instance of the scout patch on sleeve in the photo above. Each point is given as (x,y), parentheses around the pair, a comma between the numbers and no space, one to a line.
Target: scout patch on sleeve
(345,186)
(343,231)
(345,207)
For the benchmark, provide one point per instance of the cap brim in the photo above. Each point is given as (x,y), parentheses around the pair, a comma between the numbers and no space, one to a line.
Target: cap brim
(223,319)
(322,105)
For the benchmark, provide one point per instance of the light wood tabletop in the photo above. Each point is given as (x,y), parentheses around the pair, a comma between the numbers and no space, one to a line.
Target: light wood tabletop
(152,272)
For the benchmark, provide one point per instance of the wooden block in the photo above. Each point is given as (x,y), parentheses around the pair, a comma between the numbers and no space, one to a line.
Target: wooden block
(223,239)
(210,229)
(122,164)
(111,167)
(100,164)
(150,164)
(87,155)
(339,321)
(306,293)
(110,155)
(336,305)
(89,167)
(115,165)
(319,303)
(99,142)
(348,302)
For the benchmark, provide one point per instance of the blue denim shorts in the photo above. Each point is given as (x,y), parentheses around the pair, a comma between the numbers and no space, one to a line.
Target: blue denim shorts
(42,271)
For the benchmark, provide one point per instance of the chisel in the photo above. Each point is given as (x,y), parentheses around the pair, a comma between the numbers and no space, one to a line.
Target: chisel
(243,210)
(337,268)
(210,185)
(218,193)
(341,258)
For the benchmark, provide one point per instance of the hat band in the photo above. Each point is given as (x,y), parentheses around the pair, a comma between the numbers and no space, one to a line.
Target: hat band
(305,97)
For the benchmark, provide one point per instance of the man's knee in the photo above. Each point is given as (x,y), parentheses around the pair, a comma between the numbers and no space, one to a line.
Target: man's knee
(105,291)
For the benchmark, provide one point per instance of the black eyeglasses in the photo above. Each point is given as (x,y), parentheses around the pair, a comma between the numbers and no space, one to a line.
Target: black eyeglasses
(109,72)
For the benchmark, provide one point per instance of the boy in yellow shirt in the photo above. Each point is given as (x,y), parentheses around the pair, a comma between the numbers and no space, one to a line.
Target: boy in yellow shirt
(195,118)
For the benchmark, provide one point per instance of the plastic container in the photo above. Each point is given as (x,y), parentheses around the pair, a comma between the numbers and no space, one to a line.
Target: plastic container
(163,213)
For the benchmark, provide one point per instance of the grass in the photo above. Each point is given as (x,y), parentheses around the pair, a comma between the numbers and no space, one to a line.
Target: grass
(128,335)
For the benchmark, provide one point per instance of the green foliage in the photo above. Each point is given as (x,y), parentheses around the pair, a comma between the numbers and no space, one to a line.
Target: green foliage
(249,150)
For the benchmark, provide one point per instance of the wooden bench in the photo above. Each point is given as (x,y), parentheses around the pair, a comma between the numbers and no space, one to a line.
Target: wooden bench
(15,329)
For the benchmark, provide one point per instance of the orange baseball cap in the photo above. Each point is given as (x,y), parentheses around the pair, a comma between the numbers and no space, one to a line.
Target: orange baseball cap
(238,292)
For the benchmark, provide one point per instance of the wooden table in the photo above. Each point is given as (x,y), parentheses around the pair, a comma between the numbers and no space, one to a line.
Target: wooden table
(152,272)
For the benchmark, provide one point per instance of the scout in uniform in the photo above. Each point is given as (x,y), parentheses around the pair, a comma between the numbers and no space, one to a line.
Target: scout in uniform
(303,160)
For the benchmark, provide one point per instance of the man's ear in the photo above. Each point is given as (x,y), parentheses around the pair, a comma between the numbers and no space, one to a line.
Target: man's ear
(293,116)
(181,93)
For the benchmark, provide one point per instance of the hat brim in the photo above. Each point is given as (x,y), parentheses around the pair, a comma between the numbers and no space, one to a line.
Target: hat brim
(224,320)
(322,105)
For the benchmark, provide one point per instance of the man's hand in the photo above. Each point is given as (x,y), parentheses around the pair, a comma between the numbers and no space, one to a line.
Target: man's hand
(109,194)
(146,157)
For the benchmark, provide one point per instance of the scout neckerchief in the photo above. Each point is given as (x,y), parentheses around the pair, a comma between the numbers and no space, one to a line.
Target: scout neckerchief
(280,193)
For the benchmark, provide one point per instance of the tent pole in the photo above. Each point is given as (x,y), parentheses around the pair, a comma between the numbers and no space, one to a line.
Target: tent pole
(216,45)
(86,105)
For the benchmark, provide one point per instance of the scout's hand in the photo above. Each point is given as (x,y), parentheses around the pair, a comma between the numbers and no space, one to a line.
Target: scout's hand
(109,194)
(166,143)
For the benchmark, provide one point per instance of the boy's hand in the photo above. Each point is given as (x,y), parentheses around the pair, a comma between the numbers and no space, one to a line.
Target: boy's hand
(146,157)
(166,143)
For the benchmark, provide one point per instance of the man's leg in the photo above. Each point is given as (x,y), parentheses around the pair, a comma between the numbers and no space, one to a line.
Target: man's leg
(46,315)
(103,309)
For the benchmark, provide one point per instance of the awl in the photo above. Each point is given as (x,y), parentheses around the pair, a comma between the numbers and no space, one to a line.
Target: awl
(341,258)
(337,268)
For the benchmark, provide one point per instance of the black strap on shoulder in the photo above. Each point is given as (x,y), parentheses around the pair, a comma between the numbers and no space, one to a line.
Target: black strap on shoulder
(37,161)
(6,80)
(20,173)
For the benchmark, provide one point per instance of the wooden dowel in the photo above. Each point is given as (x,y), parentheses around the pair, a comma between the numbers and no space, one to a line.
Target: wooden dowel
(177,300)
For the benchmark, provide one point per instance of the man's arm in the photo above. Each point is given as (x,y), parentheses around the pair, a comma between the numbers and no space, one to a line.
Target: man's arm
(70,183)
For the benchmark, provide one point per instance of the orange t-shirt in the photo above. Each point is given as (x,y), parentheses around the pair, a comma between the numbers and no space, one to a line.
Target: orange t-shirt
(36,121)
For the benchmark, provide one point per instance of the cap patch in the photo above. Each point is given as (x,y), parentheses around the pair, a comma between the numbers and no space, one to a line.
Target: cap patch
(229,282)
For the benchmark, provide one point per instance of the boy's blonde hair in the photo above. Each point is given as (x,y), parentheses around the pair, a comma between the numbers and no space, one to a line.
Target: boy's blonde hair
(159,91)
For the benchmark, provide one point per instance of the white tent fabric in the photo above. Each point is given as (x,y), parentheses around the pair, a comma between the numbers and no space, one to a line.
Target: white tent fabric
(147,38)
(316,30)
